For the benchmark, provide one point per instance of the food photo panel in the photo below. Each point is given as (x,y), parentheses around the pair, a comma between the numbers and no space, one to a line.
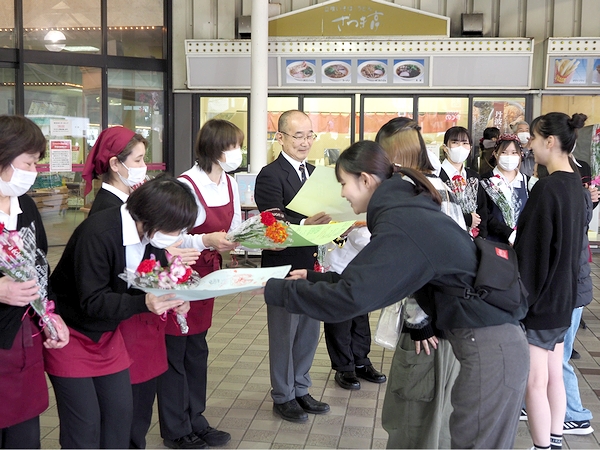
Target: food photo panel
(301,71)
(372,71)
(409,71)
(336,71)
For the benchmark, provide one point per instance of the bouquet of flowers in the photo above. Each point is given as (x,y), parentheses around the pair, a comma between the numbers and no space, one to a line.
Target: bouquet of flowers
(505,198)
(22,260)
(265,230)
(465,192)
(150,274)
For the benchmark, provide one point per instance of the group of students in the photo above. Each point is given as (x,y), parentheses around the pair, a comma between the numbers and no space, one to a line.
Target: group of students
(446,384)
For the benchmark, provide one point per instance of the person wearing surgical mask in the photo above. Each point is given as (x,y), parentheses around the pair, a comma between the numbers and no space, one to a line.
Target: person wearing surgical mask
(117,158)
(182,388)
(457,148)
(93,376)
(511,182)
(521,129)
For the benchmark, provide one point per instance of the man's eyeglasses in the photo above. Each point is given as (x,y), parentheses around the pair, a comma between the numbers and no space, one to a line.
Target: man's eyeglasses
(299,138)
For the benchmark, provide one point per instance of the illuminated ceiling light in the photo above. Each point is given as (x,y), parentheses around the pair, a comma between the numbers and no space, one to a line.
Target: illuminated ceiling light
(56,40)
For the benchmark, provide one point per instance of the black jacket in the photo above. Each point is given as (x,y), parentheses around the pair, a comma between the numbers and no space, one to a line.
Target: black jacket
(414,247)
(10,316)
(104,199)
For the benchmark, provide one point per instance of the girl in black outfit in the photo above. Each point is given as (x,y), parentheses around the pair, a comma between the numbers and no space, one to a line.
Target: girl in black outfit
(549,237)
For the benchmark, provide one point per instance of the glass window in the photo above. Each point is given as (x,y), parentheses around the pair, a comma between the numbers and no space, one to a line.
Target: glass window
(501,113)
(7,23)
(437,114)
(233,109)
(275,107)
(64,102)
(139,34)
(136,101)
(331,118)
(7,91)
(377,111)
(62,26)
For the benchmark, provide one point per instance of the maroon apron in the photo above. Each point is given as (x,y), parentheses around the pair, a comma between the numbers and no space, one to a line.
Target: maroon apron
(144,336)
(23,388)
(218,218)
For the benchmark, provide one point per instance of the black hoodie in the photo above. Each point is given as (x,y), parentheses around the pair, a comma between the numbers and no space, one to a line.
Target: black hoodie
(414,247)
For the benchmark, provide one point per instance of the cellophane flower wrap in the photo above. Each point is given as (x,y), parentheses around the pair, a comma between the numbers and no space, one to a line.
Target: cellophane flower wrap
(265,230)
(175,276)
(22,260)
(505,198)
(465,191)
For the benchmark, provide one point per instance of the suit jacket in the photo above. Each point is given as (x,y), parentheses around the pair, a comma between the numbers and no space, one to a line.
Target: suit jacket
(276,185)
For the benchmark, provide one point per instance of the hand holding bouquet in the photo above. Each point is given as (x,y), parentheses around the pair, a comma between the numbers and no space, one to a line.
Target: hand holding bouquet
(22,260)
(465,192)
(175,276)
(505,198)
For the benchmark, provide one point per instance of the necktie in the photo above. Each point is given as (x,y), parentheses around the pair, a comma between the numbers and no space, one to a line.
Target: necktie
(302,173)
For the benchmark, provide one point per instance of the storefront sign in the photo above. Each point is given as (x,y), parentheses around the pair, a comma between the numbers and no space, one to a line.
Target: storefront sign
(61,158)
(572,64)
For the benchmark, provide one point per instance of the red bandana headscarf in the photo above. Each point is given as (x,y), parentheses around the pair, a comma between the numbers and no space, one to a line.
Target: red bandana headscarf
(110,142)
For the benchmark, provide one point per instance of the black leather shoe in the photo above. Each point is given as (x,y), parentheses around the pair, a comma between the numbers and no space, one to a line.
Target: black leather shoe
(310,405)
(290,411)
(189,441)
(347,380)
(370,374)
(575,354)
(214,437)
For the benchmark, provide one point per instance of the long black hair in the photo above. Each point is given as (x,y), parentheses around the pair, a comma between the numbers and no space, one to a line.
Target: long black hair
(369,157)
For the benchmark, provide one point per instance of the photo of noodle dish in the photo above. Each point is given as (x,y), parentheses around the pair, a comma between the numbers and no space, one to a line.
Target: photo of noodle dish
(409,71)
(301,70)
(336,70)
(372,70)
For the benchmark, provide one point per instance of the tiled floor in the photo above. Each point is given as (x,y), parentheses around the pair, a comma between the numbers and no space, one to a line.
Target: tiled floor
(238,387)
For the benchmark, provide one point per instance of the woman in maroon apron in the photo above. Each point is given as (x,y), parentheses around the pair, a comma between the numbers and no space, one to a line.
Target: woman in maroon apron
(23,388)
(91,376)
(182,389)
(118,159)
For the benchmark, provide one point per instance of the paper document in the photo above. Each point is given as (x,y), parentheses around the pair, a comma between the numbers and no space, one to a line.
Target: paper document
(322,192)
(303,236)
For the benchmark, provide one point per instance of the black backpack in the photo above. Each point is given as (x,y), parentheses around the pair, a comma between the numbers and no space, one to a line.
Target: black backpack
(497,281)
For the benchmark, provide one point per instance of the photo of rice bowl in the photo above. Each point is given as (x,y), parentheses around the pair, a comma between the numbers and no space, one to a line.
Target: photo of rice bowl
(411,71)
(336,70)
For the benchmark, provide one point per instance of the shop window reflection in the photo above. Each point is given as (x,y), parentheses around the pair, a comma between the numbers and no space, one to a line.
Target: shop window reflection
(139,34)
(437,114)
(7,91)
(377,111)
(7,23)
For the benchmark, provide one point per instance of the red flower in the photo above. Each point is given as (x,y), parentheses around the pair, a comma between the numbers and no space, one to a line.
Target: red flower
(267,218)
(1,227)
(457,178)
(146,266)
(186,276)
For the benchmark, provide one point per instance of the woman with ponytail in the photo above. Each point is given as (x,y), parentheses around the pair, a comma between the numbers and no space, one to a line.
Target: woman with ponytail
(416,249)
(548,246)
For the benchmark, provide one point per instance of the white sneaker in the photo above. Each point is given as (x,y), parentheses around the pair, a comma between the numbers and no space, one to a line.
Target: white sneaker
(581,427)
(523,415)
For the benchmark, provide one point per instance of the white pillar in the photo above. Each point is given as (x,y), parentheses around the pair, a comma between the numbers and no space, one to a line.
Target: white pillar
(259,87)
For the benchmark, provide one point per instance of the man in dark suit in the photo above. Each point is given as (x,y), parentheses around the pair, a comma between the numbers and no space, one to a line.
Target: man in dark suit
(293,338)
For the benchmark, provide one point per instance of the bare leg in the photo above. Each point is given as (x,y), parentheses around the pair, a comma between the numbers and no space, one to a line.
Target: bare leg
(536,397)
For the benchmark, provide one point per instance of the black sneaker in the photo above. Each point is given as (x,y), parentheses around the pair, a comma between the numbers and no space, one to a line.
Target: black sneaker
(523,415)
(575,354)
(581,427)
(214,437)
(189,441)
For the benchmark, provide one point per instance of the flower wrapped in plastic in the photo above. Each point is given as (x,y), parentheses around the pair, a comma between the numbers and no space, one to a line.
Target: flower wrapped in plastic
(22,260)
(465,192)
(505,198)
(265,230)
(150,274)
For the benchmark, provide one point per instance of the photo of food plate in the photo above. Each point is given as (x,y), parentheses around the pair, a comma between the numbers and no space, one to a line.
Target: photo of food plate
(301,70)
(409,71)
(372,70)
(336,70)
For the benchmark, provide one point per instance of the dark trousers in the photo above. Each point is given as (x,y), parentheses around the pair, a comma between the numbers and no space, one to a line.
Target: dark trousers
(22,435)
(94,412)
(143,400)
(182,388)
(348,343)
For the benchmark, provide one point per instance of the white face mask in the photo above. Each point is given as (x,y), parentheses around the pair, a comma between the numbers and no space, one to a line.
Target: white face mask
(458,154)
(162,240)
(532,182)
(20,182)
(233,159)
(509,162)
(135,175)
(524,137)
